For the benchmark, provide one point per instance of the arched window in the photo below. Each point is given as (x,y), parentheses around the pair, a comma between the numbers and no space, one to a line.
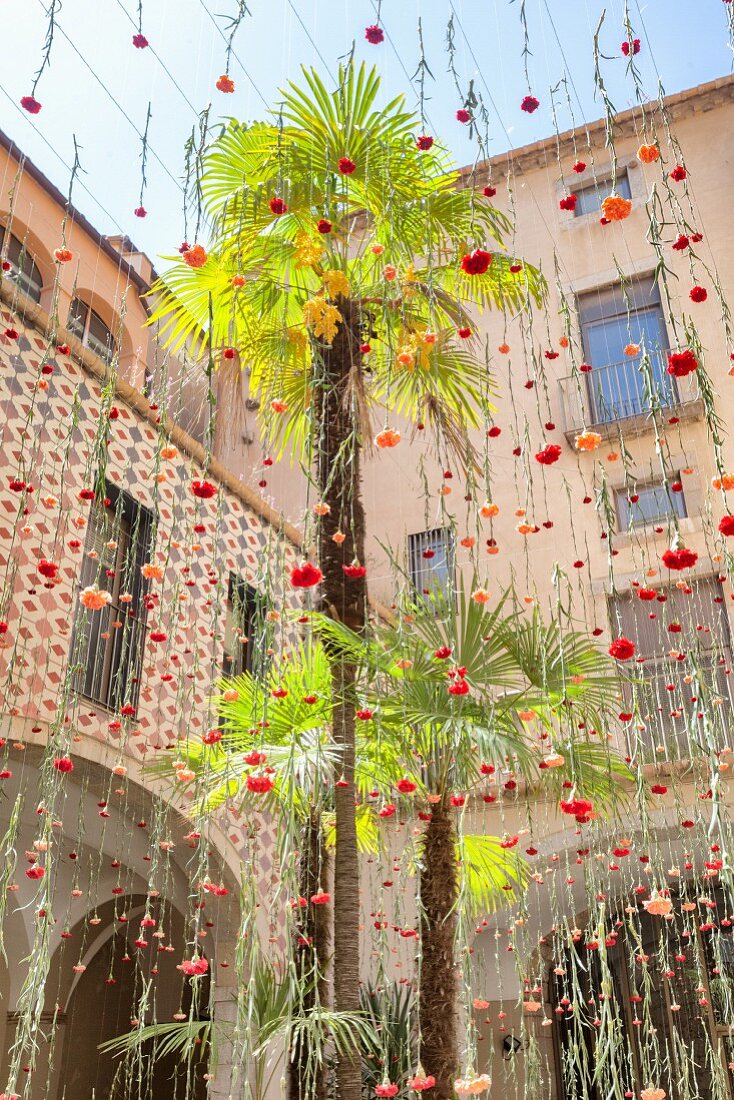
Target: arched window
(23,270)
(666,987)
(88,326)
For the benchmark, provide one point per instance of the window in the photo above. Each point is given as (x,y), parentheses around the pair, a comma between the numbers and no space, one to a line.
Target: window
(650,504)
(23,271)
(89,327)
(663,689)
(244,641)
(431,560)
(107,645)
(619,385)
(590,197)
(693,1035)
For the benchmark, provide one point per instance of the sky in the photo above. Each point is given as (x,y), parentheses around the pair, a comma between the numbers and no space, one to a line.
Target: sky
(97,87)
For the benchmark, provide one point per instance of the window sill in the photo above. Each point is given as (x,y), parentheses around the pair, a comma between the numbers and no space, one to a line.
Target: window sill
(640,424)
(646,533)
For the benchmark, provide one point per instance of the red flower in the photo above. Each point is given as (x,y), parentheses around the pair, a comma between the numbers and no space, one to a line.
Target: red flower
(680,559)
(212,737)
(48,568)
(63,764)
(551,354)
(463,333)
(306,575)
(405,785)
(681,363)
(462,115)
(11,333)
(354,572)
(580,166)
(35,872)
(157,636)
(203,489)
(529,104)
(140,41)
(31,105)
(646,593)
(322,898)
(635,47)
(494,431)
(548,455)
(476,262)
(424,142)
(346,166)
(386,1090)
(681,243)
(364,714)
(489,192)
(140,212)
(726,525)
(658,788)
(374,34)
(622,649)
(323,225)
(259,784)
(568,202)
(679,173)
(278,206)
(225,84)
(698,294)
(458,687)
(577,807)
(418,1084)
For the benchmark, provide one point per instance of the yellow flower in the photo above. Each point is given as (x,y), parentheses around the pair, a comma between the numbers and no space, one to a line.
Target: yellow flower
(307,252)
(297,337)
(587,441)
(335,283)
(322,317)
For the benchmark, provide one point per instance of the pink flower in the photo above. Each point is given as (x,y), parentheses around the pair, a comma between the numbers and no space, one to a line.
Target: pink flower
(635,47)
(140,212)
(529,104)
(462,115)
(140,41)
(374,35)
(31,105)
(196,966)
(424,142)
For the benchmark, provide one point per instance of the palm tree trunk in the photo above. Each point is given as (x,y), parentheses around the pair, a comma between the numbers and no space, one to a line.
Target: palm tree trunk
(439,1054)
(344,599)
(306,1079)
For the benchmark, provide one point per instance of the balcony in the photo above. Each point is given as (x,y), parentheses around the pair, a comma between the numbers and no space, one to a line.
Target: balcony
(629,393)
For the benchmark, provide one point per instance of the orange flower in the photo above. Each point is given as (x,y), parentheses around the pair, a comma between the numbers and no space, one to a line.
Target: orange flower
(195,257)
(389,272)
(553,760)
(489,510)
(338,537)
(225,83)
(563,341)
(613,456)
(277,406)
(467,542)
(238,281)
(63,255)
(405,358)
(632,350)
(152,572)
(387,438)
(321,508)
(615,208)
(481,596)
(657,906)
(95,598)
(726,481)
(587,441)
(503,349)
(169,452)
(648,154)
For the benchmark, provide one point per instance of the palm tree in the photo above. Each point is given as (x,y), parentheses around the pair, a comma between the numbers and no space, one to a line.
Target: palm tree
(454,695)
(342,264)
